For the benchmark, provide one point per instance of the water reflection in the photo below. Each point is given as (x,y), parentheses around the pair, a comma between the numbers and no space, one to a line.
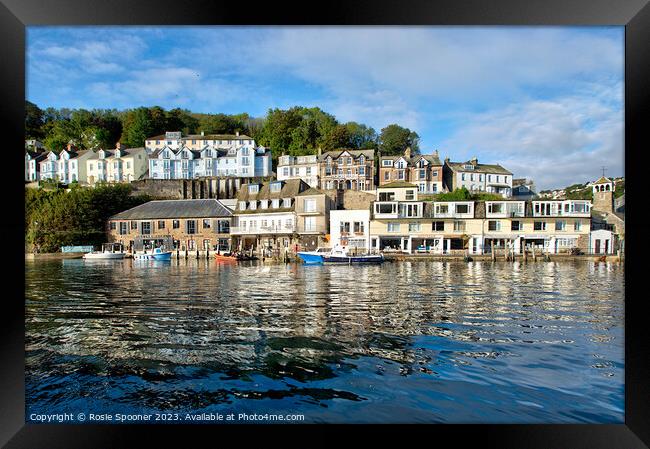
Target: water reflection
(432,341)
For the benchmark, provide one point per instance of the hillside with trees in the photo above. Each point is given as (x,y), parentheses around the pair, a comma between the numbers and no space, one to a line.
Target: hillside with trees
(296,131)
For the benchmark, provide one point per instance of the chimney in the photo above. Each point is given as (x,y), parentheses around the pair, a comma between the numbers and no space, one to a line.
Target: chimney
(474,160)
(435,153)
(407,152)
(320,151)
(447,160)
(118,146)
(69,146)
(202,133)
(237,133)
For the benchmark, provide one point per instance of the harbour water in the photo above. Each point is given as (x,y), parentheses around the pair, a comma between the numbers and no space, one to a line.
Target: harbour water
(420,342)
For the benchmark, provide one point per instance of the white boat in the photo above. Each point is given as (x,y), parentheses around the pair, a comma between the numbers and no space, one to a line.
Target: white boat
(156,254)
(110,251)
(338,254)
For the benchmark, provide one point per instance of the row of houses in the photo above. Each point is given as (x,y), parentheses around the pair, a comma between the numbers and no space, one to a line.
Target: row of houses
(174,156)
(286,216)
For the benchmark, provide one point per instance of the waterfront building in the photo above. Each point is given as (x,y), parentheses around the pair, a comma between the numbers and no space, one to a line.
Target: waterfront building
(299,167)
(347,169)
(350,228)
(603,241)
(117,165)
(175,157)
(67,166)
(186,225)
(32,165)
(313,208)
(402,222)
(423,170)
(490,178)
(265,216)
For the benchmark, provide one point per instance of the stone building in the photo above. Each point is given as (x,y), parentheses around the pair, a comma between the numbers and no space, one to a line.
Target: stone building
(423,170)
(187,225)
(347,169)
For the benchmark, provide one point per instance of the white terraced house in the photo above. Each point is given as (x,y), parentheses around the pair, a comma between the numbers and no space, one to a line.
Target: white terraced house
(32,165)
(475,177)
(118,165)
(67,166)
(175,157)
(299,167)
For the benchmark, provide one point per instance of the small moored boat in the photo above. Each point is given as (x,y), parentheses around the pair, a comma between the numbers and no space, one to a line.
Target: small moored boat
(338,254)
(110,251)
(156,254)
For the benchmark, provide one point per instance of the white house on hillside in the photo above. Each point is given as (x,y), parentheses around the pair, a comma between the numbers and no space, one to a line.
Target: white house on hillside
(67,166)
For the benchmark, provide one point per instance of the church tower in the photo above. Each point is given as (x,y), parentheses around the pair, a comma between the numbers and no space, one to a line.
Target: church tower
(603,195)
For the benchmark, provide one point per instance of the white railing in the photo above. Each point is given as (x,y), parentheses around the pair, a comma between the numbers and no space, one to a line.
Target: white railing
(262,229)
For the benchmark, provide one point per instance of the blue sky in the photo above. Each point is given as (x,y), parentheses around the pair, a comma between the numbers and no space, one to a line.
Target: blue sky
(545,102)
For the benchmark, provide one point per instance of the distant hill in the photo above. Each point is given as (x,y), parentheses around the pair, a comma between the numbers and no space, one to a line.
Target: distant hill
(582,191)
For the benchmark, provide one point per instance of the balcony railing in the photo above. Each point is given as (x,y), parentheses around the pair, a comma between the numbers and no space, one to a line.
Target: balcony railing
(284,229)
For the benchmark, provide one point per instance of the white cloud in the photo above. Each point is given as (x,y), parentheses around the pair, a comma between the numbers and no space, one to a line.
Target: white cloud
(555,142)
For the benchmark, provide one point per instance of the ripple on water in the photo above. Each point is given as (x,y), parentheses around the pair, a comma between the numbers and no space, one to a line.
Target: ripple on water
(402,342)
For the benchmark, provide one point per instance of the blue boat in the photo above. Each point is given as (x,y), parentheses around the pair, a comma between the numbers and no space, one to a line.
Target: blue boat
(338,254)
(157,254)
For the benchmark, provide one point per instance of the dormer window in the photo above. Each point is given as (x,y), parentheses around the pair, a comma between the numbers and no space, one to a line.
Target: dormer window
(264,204)
(253,205)
(101,154)
(286,202)
(253,188)
(275,203)
(118,153)
(242,205)
(468,167)
(387,163)
(276,187)
(362,159)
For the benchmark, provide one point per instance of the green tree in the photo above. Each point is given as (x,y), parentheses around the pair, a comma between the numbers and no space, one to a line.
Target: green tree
(361,136)
(394,139)
(142,123)
(338,137)
(34,121)
(181,120)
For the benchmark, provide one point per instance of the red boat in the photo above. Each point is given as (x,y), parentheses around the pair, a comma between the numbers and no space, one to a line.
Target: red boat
(226,258)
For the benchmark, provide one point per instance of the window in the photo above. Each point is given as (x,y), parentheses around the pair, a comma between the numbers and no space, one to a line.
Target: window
(113,225)
(471,177)
(495,208)
(275,203)
(435,173)
(206,223)
(252,205)
(423,174)
(358,227)
(387,163)
(362,171)
(176,224)
(577,225)
(309,205)
(459,226)
(560,225)
(400,175)
(462,176)
(516,226)
(190,226)
(462,208)
(414,227)
(288,223)
(438,226)
(286,202)
(146,227)
(393,227)
(253,188)
(344,227)
(442,208)
(161,224)
(494,225)
(386,176)
(134,225)
(90,166)
(128,165)
(242,205)
(308,171)
(310,223)
(410,195)
(124,228)
(264,204)
(489,178)
(275,187)
(539,226)
(435,187)
(223,226)
(480,177)
(244,161)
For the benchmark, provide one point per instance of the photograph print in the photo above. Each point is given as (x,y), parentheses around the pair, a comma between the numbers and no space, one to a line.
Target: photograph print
(324,224)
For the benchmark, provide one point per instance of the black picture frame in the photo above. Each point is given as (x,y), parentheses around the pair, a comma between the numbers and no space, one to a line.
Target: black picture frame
(633,14)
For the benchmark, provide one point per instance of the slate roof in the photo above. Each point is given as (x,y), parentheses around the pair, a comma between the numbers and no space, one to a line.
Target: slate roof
(479,168)
(206,137)
(111,153)
(290,188)
(603,180)
(311,191)
(161,209)
(155,153)
(354,153)
(397,184)
(433,159)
